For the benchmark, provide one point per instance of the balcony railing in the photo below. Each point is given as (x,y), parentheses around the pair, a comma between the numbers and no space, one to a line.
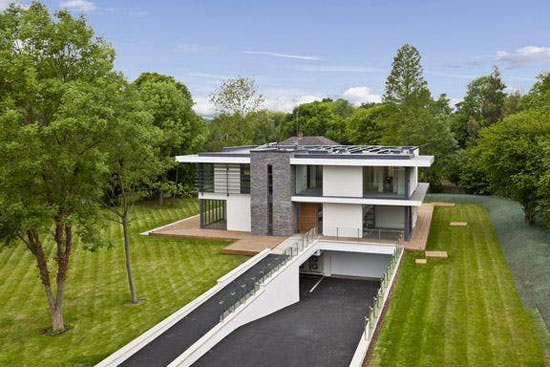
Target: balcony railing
(380,234)
(249,289)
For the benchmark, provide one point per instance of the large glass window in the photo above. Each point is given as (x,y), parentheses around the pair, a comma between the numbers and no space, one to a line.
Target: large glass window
(245,179)
(384,181)
(309,180)
(205,177)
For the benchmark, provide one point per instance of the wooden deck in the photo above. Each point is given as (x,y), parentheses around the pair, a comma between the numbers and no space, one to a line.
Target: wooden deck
(243,243)
(419,237)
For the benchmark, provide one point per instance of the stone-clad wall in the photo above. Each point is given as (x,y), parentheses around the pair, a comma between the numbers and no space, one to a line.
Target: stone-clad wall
(284,217)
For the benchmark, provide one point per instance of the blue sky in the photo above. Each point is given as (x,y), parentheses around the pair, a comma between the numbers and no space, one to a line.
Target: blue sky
(298,51)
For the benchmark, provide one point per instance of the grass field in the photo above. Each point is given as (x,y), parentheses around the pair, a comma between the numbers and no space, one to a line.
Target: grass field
(526,248)
(169,273)
(460,311)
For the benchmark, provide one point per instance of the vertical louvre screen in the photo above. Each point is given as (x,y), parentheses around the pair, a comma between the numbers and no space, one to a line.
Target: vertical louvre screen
(213,214)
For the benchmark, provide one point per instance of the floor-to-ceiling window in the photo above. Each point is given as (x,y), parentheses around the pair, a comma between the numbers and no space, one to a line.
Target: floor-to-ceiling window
(384,181)
(309,180)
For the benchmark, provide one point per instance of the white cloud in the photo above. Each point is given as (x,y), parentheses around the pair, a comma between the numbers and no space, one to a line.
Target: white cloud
(359,95)
(80,5)
(338,69)
(281,55)
(524,56)
(5,3)
(203,106)
(208,75)
(195,48)
(275,99)
(285,99)
(287,103)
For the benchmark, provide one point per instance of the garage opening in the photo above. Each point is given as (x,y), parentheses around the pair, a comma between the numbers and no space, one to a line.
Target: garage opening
(341,264)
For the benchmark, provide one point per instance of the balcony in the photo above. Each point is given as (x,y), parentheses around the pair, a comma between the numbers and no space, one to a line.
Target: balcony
(309,180)
(384,182)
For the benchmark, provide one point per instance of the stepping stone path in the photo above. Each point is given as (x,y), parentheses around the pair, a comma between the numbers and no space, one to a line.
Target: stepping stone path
(436,254)
(421,261)
(458,224)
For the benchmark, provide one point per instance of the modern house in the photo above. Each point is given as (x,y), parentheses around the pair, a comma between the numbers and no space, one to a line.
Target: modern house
(357,191)
(325,282)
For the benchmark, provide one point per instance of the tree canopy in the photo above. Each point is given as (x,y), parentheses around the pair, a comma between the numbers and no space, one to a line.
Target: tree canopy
(406,80)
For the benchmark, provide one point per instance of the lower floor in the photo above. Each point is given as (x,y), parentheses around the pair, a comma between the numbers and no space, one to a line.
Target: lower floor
(382,222)
(357,221)
(322,329)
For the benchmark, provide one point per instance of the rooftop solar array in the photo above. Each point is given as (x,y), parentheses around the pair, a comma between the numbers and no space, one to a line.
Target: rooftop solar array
(372,150)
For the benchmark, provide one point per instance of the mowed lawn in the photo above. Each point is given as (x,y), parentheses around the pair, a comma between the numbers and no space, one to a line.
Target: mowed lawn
(168,272)
(460,311)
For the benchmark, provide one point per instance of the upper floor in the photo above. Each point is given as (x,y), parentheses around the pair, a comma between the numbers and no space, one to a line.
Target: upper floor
(320,173)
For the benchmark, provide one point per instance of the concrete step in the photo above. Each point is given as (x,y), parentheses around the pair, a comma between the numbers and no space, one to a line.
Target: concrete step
(436,254)
(421,261)
(458,224)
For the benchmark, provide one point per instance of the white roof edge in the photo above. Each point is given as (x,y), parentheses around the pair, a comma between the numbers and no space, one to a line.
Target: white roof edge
(419,161)
(356,201)
(195,158)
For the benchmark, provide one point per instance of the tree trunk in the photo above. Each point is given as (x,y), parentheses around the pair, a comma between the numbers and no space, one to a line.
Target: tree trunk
(129,271)
(530,210)
(161,197)
(64,241)
(56,312)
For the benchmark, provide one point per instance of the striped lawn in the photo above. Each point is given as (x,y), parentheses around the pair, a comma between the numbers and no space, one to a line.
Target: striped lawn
(168,273)
(460,311)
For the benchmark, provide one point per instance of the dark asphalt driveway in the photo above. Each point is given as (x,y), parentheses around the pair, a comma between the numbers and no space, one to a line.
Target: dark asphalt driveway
(174,341)
(323,329)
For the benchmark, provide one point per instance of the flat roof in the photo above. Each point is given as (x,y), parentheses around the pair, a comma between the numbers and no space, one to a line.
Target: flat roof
(320,154)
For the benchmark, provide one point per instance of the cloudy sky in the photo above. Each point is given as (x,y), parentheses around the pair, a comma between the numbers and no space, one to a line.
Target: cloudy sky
(299,51)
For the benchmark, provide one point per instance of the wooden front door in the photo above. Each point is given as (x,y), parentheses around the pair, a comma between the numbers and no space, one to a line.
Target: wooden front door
(309,214)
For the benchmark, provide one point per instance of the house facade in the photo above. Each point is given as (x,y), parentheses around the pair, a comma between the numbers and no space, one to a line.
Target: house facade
(357,191)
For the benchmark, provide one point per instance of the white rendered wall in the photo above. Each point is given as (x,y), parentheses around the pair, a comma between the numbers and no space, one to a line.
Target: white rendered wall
(357,265)
(413,179)
(347,218)
(389,217)
(238,212)
(414,210)
(343,181)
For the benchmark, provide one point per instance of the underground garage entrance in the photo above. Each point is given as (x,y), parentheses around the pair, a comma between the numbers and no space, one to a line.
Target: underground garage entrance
(322,329)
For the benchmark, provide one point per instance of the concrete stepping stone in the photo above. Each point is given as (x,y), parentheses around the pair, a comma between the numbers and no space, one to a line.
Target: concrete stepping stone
(458,224)
(436,254)
(421,261)
(443,204)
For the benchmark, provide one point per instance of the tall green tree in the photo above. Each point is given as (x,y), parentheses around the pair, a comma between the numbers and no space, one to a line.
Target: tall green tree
(365,125)
(237,96)
(320,118)
(539,95)
(483,105)
(406,80)
(512,155)
(170,104)
(134,165)
(56,90)
(414,117)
